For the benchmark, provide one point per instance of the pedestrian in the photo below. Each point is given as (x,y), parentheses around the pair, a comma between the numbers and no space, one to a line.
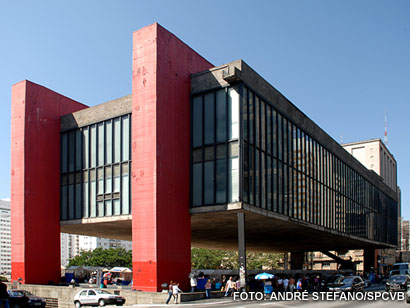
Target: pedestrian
(230,286)
(238,285)
(285,284)
(175,291)
(291,284)
(169,291)
(4,296)
(193,281)
(299,285)
(208,288)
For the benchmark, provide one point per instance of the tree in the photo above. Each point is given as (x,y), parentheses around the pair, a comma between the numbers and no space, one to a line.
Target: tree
(202,258)
(103,257)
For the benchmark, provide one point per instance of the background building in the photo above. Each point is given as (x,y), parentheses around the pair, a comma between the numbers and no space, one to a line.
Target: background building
(73,244)
(5,238)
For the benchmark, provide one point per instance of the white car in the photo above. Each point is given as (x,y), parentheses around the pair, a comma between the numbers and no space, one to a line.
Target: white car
(97,297)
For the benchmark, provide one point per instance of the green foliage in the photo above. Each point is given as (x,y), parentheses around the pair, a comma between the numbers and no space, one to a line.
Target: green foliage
(202,258)
(3,278)
(103,257)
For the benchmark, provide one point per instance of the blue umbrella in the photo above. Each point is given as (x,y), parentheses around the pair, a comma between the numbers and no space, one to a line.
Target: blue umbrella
(264,276)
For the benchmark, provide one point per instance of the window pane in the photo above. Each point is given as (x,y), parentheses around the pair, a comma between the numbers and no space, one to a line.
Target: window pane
(71,201)
(78,200)
(78,150)
(263,181)
(251,175)
(100,177)
(233,113)
(245,113)
(117,140)
(197,121)
(108,208)
(64,152)
(71,151)
(64,203)
(209,118)
(86,148)
(108,180)
(100,144)
(125,138)
(251,117)
(279,131)
(117,207)
(197,185)
(257,121)
(221,178)
(257,178)
(116,178)
(93,145)
(246,172)
(263,128)
(85,200)
(100,206)
(125,194)
(93,210)
(274,133)
(269,182)
(221,116)
(108,141)
(268,129)
(234,179)
(209,182)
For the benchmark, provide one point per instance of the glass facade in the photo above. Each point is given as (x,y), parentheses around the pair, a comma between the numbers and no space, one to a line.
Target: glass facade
(280,168)
(95,170)
(215,147)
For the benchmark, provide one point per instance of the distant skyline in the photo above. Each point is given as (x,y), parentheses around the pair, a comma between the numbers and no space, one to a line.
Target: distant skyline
(345,64)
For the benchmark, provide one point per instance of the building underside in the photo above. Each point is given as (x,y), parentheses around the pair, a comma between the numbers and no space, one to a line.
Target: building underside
(216,227)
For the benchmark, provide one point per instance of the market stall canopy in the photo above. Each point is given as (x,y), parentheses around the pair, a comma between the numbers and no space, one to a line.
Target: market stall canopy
(119,269)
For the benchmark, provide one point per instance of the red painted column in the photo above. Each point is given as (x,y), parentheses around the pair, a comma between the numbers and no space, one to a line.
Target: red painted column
(161,224)
(35,181)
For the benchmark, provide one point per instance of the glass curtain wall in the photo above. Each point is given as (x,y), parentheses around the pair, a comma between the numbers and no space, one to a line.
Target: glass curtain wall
(283,169)
(95,170)
(288,172)
(215,147)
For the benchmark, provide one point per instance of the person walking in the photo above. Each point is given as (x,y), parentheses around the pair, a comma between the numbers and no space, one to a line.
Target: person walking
(194,283)
(4,296)
(171,283)
(175,291)
(230,286)
(208,288)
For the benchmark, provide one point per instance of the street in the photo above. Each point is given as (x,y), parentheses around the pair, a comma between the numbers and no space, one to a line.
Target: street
(303,303)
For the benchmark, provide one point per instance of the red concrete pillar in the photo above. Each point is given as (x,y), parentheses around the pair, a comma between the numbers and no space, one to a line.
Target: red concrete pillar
(35,181)
(161,227)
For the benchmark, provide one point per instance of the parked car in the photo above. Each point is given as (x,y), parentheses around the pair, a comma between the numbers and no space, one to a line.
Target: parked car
(24,299)
(97,297)
(348,284)
(400,269)
(397,283)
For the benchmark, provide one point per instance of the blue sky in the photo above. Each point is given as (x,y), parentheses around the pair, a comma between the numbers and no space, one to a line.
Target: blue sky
(343,63)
